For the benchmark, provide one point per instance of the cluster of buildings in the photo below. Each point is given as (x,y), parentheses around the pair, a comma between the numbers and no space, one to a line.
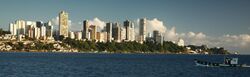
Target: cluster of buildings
(112,31)
(31,29)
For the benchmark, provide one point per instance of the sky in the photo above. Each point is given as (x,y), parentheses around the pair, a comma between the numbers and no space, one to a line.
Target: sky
(216,23)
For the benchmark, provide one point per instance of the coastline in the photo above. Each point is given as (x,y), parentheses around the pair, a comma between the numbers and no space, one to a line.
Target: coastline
(91,52)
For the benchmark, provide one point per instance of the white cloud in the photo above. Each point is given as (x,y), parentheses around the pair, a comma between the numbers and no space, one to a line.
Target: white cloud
(99,23)
(171,35)
(69,23)
(55,21)
(151,25)
(239,42)
(194,38)
(155,24)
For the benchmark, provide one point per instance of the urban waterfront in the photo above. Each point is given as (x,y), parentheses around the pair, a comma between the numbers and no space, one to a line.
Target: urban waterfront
(27,64)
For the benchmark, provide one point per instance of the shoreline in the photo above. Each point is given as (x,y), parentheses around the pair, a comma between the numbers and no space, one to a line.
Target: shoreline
(84,52)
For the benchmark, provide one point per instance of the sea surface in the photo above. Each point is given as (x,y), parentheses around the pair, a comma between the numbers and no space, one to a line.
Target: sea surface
(16,64)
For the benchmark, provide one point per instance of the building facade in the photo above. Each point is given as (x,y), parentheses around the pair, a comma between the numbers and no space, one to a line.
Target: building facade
(63,24)
(142,29)
(85,33)
(109,31)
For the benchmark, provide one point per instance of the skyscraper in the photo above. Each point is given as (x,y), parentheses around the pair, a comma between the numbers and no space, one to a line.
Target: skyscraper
(117,32)
(142,29)
(13,29)
(37,32)
(93,32)
(132,32)
(63,23)
(78,35)
(20,27)
(157,37)
(109,31)
(123,33)
(49,30)
(30,28)
(71,35)
(43,32)
(127,25)
(85,29)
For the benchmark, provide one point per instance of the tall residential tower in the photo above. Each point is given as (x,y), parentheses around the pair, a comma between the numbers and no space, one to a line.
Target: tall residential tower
(85,33)
(142,29)
(63,24)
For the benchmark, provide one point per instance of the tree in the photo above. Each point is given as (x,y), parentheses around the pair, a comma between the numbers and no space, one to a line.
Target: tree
(2,32)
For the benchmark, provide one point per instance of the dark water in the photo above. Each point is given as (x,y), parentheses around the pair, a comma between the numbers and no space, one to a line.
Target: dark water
(114,65)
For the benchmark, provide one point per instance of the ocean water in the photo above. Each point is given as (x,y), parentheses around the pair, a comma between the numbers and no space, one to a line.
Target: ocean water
(114,65)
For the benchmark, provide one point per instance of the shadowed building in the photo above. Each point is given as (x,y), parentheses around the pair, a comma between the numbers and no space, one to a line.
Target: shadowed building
(109,31)
(85,33)
(142,29)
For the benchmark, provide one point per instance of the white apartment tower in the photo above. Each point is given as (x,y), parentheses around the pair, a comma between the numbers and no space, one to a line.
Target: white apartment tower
(63,24)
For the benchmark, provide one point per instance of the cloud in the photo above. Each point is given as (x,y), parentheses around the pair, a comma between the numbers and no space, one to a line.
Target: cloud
(194,38)
(155,24)
(151,25)
(233,43)
(99,23)
(240,42)
(55,21)
(171,35)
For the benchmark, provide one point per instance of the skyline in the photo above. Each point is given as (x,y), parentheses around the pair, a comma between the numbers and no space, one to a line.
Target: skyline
(194,20)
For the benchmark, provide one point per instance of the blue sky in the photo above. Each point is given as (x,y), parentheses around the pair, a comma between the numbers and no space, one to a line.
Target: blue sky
(215,17)
(211,17)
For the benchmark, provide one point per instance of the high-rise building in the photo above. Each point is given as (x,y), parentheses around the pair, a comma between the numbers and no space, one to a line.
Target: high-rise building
(85,32)
(43,32)
(63,24)
(156,33)
(37,32)
(127,25)
(101,36)
(49,30)
(142,29)
(30,31)
(157,37)
(20,27)
(132,32)
(116,32)
(123,33)
(13,29)
(39,24)
(29,28)
(78,35)
(93,32)
(109,31)
(71,35)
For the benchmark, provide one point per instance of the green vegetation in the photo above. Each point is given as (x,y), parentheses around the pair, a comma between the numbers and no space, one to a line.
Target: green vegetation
(113,47)
(31,46)
(2,32)
(124,47)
